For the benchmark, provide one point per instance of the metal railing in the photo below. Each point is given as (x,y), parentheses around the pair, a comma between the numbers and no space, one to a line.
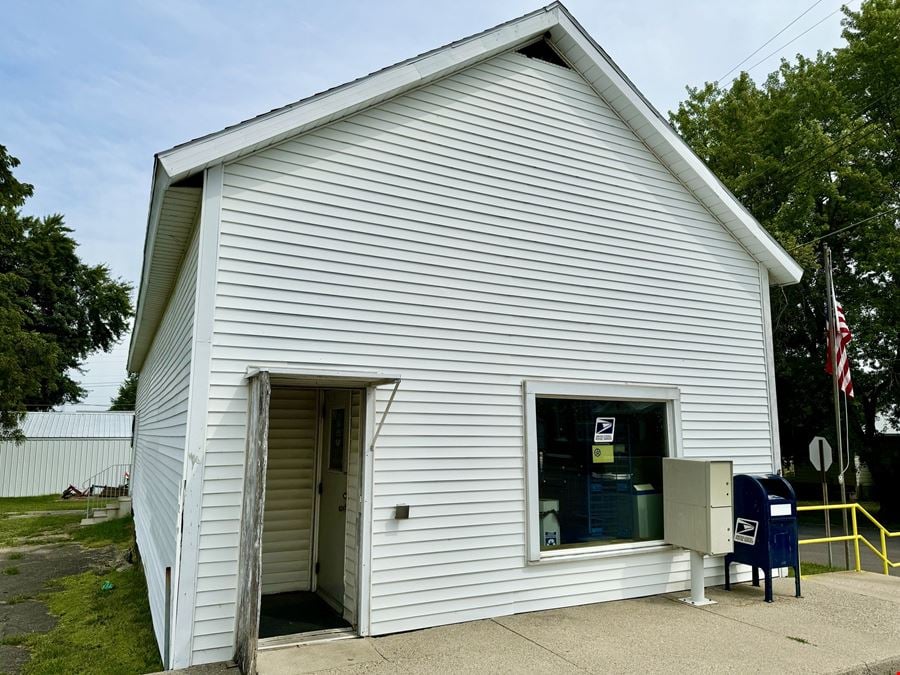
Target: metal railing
(856,537)
(108,484)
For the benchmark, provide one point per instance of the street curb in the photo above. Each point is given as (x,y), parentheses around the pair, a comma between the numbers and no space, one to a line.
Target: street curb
(889,665)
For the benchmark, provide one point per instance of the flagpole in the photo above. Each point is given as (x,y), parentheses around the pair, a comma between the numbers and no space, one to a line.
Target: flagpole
(832,356)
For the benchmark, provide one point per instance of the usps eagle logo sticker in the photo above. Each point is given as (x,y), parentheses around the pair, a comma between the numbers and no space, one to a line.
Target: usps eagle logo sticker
(604,429)
(745,531)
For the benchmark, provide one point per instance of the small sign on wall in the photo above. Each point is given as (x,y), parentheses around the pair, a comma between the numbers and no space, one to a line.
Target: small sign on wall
(604,430)
(602,454)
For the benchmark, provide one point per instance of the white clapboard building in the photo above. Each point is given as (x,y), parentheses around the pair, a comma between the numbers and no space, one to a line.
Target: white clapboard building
(411,350)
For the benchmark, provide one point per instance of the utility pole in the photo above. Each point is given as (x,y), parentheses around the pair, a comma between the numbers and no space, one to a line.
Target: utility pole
(832,357)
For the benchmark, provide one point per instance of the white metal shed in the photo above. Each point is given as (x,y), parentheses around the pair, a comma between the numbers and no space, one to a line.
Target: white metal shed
(62,449)
(389,334)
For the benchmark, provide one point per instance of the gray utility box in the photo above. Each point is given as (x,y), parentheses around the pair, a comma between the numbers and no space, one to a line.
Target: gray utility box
(697,509)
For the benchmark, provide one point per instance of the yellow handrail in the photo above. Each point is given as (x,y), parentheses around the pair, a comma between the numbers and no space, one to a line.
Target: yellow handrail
(856,537)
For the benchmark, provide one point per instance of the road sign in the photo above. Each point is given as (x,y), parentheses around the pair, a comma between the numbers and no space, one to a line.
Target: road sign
(820,453)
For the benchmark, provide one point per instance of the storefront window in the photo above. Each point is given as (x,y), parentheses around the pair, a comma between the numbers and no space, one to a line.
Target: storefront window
(599,470)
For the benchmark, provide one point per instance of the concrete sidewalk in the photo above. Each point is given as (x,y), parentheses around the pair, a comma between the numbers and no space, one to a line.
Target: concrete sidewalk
(846,622)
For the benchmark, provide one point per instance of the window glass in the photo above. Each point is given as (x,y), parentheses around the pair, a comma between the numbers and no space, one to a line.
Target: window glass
(599,471)
(336,439)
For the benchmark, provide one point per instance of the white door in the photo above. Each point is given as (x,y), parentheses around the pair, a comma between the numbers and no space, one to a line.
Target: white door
(333,459)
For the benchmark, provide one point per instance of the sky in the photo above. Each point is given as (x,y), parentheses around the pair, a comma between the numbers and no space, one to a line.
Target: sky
(90,91)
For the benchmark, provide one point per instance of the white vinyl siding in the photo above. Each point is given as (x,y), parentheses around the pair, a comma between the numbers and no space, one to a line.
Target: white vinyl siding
(161,426)
(499,225)
(352,530)
(287,523)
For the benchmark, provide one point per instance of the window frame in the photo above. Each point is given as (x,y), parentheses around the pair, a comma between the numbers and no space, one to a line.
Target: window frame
(611,391)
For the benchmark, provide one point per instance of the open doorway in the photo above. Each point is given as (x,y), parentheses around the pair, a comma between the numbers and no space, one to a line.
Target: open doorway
(310,534)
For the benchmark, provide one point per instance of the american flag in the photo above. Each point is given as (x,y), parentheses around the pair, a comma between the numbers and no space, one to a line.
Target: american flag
(843,364)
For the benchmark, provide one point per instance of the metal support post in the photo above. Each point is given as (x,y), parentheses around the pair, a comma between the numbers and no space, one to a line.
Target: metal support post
(826,512)
(832,339)
(698,583)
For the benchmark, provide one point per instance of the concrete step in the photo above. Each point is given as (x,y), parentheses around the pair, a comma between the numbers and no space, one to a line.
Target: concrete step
(117,509)
(107,512)
(124,506)
(92,521)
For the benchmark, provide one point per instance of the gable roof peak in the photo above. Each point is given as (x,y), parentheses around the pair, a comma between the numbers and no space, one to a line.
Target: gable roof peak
(566,38)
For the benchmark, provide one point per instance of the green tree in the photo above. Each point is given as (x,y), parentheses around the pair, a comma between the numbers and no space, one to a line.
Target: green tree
(54,309)
(126,397)
(812,150)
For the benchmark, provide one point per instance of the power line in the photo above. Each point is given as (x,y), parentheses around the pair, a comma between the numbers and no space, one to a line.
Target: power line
(848,136)
(837,146)
(845,228)
(838,150)
(793,40)
(758,49)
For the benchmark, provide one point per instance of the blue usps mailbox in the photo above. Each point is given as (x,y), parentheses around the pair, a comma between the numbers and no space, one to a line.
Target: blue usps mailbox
(765,528)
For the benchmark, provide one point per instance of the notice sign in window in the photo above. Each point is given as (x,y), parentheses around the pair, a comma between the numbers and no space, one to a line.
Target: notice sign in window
(603,454)
(604,429)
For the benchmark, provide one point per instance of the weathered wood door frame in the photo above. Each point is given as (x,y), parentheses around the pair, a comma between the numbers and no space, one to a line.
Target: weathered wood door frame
(246,634)
(249,589)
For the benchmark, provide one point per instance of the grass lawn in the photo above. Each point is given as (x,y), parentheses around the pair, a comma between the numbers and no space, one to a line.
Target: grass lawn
(98,631)
(18,531)
(36,530)
(807,568)
(45,503)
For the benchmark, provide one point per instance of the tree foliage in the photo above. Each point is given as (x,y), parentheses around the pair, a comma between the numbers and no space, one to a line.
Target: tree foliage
(814,149)
(55,310)
(126,397)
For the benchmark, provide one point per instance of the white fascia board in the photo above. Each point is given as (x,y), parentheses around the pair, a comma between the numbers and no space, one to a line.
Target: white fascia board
(769,346)
(279,125)
(184,583)
(673,151)
(158,188)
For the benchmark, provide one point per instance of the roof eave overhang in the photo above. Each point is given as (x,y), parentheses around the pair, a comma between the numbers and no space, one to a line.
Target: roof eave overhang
(158,187)
(577,46)
(586,56)
(276,126)
(623,96)
(171,218)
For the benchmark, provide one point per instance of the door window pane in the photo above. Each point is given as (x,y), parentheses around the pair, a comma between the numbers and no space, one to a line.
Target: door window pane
(336,439)
(599,471)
